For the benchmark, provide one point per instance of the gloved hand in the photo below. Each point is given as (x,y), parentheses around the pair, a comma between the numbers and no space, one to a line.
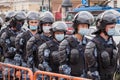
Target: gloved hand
(41,67)
(47,67)
(18,59)
(11,50)
(94,75)
(30,62)
(65,69)
(84,75)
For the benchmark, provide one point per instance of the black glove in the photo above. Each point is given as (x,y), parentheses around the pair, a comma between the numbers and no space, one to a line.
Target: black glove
(84,75)
(47,67)
(65,69)
(30,62)
(18,59)
(94,75)
(11,50)
(41,67)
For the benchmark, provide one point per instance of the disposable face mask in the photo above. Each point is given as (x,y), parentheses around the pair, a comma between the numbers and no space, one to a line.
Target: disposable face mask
(33,27)
(59,37)
(83,31)
(111,32)
(46,29)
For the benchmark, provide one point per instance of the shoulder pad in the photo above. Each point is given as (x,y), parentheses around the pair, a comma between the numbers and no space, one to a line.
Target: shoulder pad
(17,39)
(32,39)
(37,36)
(30,43)
(50,43)
(19,35)
(63,44)
(90,44)
(43,46)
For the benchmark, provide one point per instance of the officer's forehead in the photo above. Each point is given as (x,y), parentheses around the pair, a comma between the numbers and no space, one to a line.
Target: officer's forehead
(33,20)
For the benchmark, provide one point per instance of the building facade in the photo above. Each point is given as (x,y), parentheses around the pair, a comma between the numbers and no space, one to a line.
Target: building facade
(36,5)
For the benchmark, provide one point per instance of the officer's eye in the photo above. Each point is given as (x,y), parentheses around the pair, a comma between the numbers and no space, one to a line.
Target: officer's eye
(33,22)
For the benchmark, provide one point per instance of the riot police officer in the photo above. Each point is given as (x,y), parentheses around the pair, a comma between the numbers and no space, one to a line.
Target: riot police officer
(101,51)
(71,50)
(8,37)
(48,51)
(5,28)
(42,36)
(21,39)
(8,17)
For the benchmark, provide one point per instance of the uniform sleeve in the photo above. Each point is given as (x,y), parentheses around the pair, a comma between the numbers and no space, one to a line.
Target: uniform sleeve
(30,51)
(19,42)
(4,42)
(63,51)
(43,57)
(41,51)
(8,50)
(90,59)
(30,47)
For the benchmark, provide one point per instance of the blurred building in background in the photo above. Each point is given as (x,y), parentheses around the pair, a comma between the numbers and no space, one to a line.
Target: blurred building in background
(39,5)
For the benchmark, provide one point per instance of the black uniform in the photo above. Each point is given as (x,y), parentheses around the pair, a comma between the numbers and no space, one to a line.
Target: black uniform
(71,50)
(71,53)
(38,39)
(8,45)
(8,37)
(101,53)
(101,56)
(32,48)
(48,54)
(20,43)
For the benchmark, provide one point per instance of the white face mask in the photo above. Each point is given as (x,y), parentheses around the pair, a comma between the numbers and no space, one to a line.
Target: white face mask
(59,37)
(46,29)
(111,32)
(83,31)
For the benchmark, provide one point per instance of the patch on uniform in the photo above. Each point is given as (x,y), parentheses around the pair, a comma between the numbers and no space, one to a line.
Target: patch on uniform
(46,52)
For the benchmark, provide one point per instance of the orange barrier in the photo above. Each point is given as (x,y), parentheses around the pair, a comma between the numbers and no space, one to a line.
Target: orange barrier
(17,72)
(54,76)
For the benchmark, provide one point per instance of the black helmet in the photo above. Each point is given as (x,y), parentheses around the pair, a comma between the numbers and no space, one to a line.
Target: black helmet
(82,17)
(9,15)
(105,18)
(18,20)
(33,16)
(59,26)
(20,16)
(47,17)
